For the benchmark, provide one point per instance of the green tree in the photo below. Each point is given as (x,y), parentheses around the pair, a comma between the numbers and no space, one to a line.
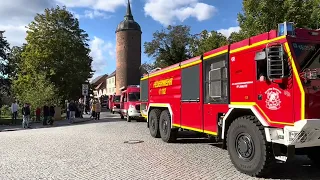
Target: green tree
(261,16)
(206,41)
(38,91)
(169,46)
(57,53)
(4,80)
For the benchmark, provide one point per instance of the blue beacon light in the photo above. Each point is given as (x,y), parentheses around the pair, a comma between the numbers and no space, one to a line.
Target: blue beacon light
(285,28)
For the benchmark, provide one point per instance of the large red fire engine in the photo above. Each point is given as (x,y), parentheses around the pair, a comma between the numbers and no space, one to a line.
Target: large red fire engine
(130,102)
(260,97)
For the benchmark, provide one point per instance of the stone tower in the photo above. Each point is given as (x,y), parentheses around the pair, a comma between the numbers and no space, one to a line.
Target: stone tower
(128,52)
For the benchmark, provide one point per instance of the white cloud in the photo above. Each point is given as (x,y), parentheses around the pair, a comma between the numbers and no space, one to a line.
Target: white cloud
(95,14)
(104,5)
(16,14)
(227,32)
(101,52)
(169,11)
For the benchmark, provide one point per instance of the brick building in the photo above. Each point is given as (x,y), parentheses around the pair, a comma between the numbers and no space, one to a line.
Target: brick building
(128,51)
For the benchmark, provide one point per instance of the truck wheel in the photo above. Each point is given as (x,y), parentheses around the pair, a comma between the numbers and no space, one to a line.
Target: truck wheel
(154,117)
(112,112)
(167,134)
(128,118)
(248,149)
(122,117)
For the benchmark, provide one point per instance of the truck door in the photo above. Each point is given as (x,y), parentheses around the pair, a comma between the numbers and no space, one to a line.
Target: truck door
(191,107)
(122,100)
(274,101)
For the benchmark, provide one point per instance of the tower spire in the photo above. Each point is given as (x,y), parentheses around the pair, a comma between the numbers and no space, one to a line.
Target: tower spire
(128,15)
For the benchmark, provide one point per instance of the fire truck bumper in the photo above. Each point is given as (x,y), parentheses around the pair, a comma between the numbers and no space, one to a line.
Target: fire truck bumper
(116,109)
(133,113)
(304,133)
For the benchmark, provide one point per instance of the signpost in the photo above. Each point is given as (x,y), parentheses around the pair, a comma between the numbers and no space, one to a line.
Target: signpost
(85,89)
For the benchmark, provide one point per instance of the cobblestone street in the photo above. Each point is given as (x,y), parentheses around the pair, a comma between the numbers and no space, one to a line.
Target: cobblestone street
(96,150)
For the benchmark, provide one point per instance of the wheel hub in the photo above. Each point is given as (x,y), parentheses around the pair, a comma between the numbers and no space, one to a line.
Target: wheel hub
(244,146)
(153,123)
(165,126)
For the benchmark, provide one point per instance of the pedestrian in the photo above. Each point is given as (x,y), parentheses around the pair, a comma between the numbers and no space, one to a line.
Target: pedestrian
(26,116)
(72,109)
(81,108)
(93,110)
(51,114)
(67,110)
(98,109)
(38,114)
(14,111)
(46,113)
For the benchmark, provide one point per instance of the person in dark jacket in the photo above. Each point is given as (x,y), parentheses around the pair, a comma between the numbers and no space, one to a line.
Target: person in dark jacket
(46,114)
(51,114)
(72,108)
(26,116)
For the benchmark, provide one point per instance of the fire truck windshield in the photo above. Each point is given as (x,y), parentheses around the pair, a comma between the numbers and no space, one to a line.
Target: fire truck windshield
(134,96)
(307,54)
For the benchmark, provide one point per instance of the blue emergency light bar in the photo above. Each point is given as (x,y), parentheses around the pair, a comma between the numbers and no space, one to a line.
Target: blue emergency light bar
(286,28)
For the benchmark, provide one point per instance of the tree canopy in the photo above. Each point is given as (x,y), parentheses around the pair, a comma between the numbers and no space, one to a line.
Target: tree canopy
(4,70)
(169,46)
(55,58)
(261,16)
(207,41)
(258,16)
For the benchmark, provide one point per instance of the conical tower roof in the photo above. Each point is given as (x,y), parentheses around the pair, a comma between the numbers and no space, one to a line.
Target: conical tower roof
(128,23)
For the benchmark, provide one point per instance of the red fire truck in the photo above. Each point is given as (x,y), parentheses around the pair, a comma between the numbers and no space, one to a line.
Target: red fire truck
(114,103)
(130,102)
(260,97)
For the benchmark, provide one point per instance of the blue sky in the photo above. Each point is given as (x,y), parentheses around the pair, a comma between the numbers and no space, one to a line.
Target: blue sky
(99,18)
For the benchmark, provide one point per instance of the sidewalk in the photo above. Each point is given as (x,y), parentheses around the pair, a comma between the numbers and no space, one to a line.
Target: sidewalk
(37,125)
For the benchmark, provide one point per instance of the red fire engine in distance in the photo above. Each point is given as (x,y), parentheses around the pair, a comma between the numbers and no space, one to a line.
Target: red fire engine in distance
(130,102)
(259,97)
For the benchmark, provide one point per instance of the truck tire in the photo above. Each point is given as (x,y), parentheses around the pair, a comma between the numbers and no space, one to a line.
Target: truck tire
(167,134)
(128,118)
(121,116)
(248,148)
(153,122)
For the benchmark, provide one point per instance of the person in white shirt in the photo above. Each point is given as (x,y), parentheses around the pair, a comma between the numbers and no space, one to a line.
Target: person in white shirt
(14,111)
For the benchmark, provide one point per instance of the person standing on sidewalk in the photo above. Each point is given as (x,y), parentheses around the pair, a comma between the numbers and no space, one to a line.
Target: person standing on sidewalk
(51,114)
(46,113)
(26,116)
(38,114)
(72,109)
(98,109)
(14,111)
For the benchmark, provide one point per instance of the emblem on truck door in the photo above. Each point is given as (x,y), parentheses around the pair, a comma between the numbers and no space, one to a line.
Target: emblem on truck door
(273,101)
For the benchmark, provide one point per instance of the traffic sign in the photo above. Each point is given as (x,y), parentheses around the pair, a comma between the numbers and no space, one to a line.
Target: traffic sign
(85,89)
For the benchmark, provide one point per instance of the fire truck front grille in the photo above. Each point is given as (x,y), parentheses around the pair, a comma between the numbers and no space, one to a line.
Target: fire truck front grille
(138,107)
